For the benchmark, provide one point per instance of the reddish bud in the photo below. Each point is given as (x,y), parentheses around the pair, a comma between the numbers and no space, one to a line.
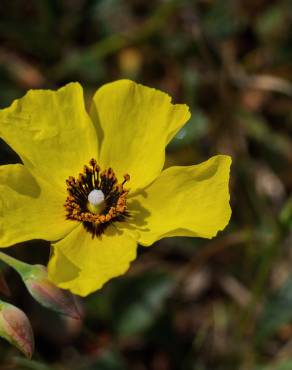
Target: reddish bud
(48,294)
(16,329)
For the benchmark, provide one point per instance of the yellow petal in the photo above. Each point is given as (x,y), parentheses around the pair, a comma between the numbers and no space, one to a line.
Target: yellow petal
(83,264)
(30,208)
(51,132)
(134,123)
(184,201)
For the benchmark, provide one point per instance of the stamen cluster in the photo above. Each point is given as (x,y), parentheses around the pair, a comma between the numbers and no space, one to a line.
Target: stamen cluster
(114,207)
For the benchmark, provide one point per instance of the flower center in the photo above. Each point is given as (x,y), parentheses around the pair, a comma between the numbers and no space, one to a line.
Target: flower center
(96,198)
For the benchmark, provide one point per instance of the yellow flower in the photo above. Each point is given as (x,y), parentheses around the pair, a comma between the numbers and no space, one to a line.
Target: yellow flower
(105,167)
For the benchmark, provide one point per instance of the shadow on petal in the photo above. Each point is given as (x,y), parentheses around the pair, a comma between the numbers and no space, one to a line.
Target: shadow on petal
(61,269)
(138,213)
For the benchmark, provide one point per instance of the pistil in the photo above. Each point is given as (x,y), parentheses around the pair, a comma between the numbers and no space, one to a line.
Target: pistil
(96,203)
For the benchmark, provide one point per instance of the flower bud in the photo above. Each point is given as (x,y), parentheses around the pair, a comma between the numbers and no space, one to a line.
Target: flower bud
(16,329)
(48,294)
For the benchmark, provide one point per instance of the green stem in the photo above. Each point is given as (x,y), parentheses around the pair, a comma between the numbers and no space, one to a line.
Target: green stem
(19,266)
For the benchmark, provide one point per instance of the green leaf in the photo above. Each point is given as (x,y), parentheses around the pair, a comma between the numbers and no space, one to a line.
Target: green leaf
(277,312)
(138,302)
(24,364)
(271,22)
(109,360)
(286,213)
(222,19)
(287,365)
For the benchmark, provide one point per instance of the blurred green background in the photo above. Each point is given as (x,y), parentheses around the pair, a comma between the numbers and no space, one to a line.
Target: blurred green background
(186,304)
